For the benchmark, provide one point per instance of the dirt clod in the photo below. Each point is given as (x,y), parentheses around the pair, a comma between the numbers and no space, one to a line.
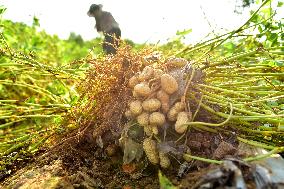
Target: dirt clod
(223,150)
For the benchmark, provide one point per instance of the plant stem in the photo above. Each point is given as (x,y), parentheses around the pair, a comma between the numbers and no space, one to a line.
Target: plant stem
(256,144)
(267,155)
(30,116)
(213,124)
(188,158)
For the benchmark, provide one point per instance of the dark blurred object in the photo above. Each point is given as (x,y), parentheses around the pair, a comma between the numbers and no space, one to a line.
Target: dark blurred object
(233,173)
(107,24)
(247,3)
(240,5)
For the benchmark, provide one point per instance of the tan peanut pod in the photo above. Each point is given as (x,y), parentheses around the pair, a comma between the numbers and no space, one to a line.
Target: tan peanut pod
(165,161)
(142,89)
(179,106)
(169,84)
(128,114)
(173,112)
(155,130)
(165,100)
(151,104)
(135,107)
(135,94)
(147,73)
(151,151)
(148,130)
(157,119)
(176,62)
(143,119)
(182,119)
(158,73)
(133,81)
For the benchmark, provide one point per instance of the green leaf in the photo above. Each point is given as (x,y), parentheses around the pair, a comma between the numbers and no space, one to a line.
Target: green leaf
(279,63)
(2,9)
(35,21)
(259,29)
(164,182)
(272,103)
(273,36)
(74,100)
(280,4)
(230,46)
(184,32)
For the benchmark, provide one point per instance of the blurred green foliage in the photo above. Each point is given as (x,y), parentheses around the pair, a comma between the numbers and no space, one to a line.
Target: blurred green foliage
(165,183)
(46,48)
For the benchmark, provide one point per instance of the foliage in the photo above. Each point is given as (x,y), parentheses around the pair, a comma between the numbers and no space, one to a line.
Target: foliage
(37,86)
(47,48)
(164,182)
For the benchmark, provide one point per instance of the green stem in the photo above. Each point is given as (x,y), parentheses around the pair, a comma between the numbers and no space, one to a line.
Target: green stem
(188,158)
(15,147)
(30,116)
(9,64)
(5,125)
(263,132)
(224,90)
(271,120)
(198,108)
(22,138)
(263,156)
(256,144)
(260,116)
(31,87)
(213,124)
(247,87)
(33,148)
(238,83)
(41,109)
(266,99)
(217,98)
(248,74)
(237,57)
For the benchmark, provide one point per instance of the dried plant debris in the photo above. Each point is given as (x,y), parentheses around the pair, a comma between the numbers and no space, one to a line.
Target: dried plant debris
(132,151)
(233,173)
(228,175)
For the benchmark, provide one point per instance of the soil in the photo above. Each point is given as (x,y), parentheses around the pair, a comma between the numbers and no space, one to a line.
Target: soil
(82,164)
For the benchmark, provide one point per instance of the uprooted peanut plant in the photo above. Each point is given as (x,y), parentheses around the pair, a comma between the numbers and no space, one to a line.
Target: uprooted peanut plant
(165,105)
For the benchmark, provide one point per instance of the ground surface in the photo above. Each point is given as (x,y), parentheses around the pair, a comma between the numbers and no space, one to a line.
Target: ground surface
(82,164)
